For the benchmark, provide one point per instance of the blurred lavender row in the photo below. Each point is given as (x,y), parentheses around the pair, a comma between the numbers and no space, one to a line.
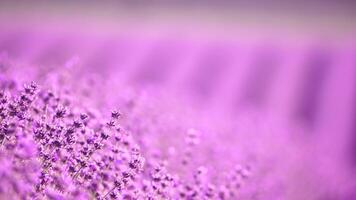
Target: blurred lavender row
(231,75)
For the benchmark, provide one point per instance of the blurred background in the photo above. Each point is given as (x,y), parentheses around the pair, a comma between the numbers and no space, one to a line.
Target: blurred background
(287,64)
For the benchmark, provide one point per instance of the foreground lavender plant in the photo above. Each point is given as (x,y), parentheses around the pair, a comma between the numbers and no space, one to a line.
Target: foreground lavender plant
(52,151)
(52,147)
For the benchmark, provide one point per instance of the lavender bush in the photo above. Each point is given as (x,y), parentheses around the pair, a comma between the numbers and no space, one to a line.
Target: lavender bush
(54,147)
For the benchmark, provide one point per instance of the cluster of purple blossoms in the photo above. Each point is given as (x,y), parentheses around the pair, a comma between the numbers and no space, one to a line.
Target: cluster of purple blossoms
(53,148)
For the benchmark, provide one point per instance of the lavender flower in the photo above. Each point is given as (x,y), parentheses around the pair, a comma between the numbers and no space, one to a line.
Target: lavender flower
(52,147)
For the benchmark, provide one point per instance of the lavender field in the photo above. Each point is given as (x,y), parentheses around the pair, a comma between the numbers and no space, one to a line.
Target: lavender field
(152,102)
